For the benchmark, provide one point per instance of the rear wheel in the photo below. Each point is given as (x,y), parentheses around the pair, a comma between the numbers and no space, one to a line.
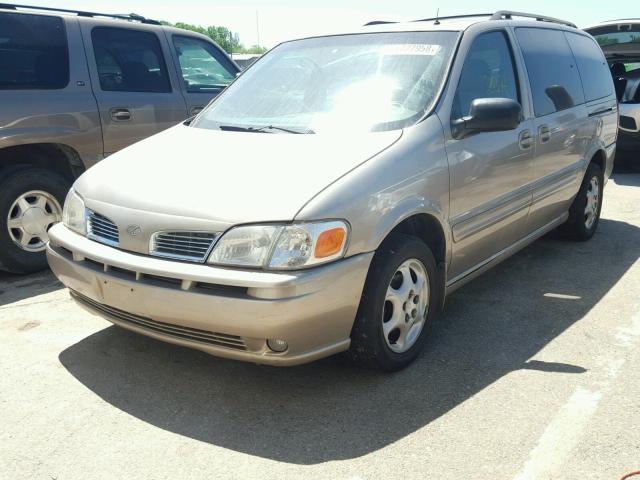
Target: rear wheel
(31,202)
(584,213)
(399,302)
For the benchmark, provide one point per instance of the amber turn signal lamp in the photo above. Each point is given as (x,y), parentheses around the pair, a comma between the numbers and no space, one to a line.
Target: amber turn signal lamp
(330,242)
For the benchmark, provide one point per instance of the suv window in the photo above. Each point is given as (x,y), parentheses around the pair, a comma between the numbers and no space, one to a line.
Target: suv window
(129,61)
(554,78)
(33,52)
(488,72)
(593,68)
(203,66)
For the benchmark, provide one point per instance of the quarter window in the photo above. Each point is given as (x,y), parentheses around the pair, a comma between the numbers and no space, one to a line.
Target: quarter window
(488,72)
(593,68)
(204,68)
(33,52)
(554,78)
(129,61)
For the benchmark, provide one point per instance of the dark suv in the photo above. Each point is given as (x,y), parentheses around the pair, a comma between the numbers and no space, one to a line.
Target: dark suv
(76,87)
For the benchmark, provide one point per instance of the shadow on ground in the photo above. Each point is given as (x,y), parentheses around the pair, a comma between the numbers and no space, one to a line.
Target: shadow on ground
(330,410)
(14,288)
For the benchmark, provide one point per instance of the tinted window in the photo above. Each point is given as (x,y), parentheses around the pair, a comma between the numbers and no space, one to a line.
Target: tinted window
(129,61)
(593,68)
(33,52)
(555,82)
(487,73)
(204,68)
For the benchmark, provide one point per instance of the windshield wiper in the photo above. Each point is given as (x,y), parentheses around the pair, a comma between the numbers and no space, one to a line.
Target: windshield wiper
(236,128)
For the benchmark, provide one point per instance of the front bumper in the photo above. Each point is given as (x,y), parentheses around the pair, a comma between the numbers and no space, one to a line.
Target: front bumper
(225,312)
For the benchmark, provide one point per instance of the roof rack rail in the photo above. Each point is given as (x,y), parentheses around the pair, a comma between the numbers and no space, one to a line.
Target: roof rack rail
(453,17)
(499,15)
(378,22)
(508,15)
(131,17)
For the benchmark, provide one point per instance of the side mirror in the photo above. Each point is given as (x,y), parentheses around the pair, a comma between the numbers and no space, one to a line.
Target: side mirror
(488,115)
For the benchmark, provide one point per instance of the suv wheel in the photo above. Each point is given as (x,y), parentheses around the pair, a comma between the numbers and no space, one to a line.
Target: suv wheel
(584,213)
(399,302)
(31,201)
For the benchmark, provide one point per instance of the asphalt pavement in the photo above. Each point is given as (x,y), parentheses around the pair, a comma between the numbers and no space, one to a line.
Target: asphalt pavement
(532,372)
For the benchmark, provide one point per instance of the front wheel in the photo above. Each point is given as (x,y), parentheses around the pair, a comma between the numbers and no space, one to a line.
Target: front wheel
(399,302)
(584,213)
(31,201)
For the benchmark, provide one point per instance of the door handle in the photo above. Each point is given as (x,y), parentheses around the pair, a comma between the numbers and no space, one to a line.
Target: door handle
(120,114)
(601,112)
(544,133)
(525,140)
(195,110)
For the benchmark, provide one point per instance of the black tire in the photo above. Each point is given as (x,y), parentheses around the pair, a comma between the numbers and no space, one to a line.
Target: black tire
(13,184)
(368,345)
(576,227)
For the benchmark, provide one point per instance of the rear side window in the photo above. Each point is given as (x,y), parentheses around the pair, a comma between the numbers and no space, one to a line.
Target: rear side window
(593,68)
(488,72)
(553,74)
(33,52)
(204,68)
(129,61)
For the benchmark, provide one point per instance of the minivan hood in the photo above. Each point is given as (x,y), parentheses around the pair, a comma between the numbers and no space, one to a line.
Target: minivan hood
(230,177)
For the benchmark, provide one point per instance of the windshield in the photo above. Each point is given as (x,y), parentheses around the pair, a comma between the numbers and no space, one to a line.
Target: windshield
(367,82)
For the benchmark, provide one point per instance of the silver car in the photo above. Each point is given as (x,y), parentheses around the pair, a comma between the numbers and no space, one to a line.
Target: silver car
(335,194)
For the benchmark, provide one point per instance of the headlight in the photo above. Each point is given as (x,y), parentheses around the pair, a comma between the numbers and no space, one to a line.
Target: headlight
(282,247)
(245,246)
(73,213)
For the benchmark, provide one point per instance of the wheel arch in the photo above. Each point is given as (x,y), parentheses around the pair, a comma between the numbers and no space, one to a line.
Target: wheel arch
(599,157)
(429,229)
(57,157)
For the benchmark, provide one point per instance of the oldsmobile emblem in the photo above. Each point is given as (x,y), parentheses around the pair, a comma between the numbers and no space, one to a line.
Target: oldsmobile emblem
(134,230)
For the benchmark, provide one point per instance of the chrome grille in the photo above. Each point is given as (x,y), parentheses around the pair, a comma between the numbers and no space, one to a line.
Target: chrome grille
(193,246)
(101,229)
(178,331)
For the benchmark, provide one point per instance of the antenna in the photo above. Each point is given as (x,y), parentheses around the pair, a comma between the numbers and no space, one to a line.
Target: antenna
(437,22)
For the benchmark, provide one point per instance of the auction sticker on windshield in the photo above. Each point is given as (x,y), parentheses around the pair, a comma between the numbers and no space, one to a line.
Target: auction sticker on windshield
(411,49)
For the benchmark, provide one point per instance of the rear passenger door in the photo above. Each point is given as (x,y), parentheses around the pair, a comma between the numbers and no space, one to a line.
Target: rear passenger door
(560,126)
(490,172)
(135,90)
(599,90)
(203,69)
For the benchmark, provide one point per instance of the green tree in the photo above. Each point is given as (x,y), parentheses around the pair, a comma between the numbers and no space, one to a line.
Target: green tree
(224,37)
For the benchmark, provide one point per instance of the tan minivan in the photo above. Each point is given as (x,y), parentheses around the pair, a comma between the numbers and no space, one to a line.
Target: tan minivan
(342,186)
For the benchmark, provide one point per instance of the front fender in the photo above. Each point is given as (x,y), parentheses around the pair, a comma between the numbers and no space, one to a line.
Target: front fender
(411,177)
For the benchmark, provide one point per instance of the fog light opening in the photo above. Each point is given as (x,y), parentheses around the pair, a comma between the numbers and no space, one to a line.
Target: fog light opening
(277,345)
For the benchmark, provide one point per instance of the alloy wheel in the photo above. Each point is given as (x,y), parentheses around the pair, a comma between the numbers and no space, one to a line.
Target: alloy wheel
(406,306)
(30,217)
(593,202)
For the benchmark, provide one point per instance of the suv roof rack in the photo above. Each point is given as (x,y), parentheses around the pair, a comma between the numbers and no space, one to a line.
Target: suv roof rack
(130,17)
(508,15)
(499,15)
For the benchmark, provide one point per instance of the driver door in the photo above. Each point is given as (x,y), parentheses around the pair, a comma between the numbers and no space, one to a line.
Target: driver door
(490,172)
